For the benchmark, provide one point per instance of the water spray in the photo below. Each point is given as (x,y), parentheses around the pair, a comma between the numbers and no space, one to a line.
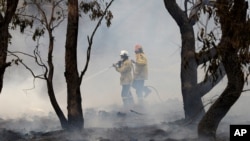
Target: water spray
(118,64)
(96,74)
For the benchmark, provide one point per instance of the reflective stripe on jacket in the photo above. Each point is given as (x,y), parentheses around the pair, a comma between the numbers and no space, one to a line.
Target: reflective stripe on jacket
(141,67)
(126,72)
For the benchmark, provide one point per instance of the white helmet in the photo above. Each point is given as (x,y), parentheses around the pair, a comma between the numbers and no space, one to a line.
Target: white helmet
(124,53)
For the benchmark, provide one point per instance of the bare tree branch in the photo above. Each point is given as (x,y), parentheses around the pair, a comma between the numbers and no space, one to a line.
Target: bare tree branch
(90,41)
(174,9)
(26,66)
(47,24)
(43,14)
(63,16)
(23,53)
(33,87)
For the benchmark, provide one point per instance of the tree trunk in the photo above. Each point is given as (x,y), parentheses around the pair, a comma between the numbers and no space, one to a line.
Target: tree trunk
(49,81)
(193,106)
(3,52)
(192,91)
(75,115)
(233,25)
(4,36)
(208,125)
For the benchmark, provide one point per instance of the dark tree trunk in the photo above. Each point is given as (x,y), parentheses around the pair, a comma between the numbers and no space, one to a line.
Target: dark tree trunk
(59,113)
(233,24)
(75,115)
(4,36)
(193,106)
(3,51)
(192,91)
(49,81)
(208,125)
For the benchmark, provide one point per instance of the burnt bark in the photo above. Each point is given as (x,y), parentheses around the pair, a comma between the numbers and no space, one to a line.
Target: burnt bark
(48,23)
(192,91)
(233,25)
(209,123)
(75,115)
(4,36)
(193,106)
(49,81)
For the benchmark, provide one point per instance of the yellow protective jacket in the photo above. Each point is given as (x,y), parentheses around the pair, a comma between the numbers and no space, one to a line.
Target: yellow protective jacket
(126,72)
(141,67)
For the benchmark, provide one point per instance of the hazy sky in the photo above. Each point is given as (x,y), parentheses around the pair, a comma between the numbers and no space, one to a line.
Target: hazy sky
(135,22)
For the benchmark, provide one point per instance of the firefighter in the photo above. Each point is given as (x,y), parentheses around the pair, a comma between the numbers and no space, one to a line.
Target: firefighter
(124,66)
(140,74)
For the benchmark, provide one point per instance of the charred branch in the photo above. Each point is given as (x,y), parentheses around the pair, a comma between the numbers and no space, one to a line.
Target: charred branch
(26,66)
(176,12)
(90,41)
(232,19)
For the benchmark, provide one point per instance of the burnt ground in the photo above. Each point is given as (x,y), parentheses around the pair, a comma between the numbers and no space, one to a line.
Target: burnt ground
(102,126)
(151,123)
(145,133)
(149,133)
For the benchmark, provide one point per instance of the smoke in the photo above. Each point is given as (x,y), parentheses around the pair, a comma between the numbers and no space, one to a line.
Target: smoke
(135,22)
(130,26)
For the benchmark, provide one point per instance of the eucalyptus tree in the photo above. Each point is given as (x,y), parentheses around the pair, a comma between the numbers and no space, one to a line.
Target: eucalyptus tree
(47,16)
(229,49)
(192,57)
(233,51)
(7,11)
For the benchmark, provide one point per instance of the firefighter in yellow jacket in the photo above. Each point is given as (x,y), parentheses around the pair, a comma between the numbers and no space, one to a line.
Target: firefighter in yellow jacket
(124,66)
(140,74)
